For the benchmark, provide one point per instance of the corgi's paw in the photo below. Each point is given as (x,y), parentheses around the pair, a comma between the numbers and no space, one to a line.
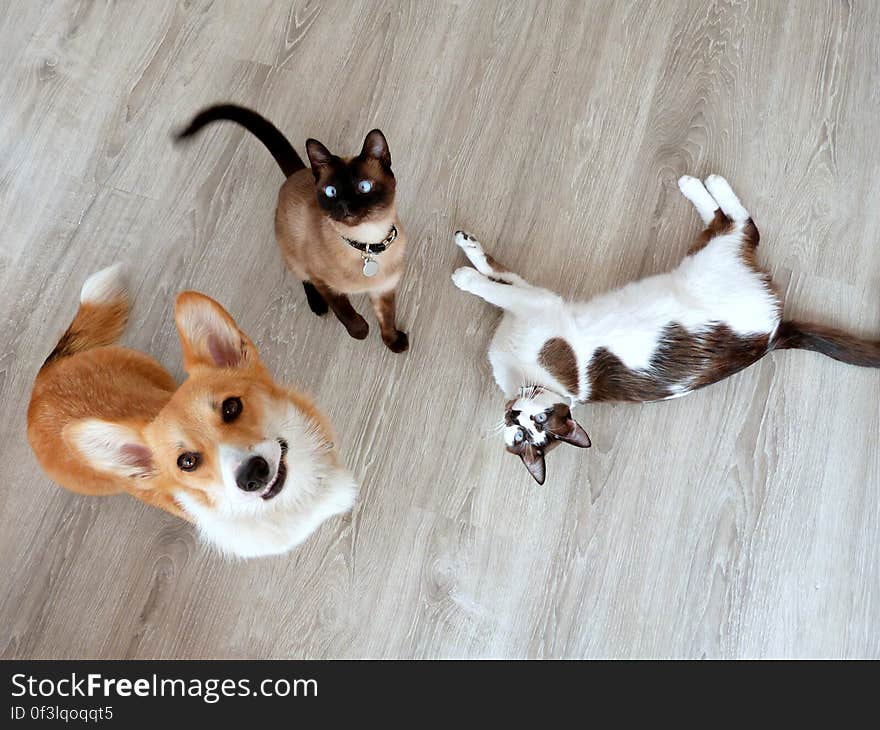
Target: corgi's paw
(466,241)
(465,278)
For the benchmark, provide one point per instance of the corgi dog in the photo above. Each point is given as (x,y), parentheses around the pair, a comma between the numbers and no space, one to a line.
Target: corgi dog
(659,338)
(336,222)
(250,463)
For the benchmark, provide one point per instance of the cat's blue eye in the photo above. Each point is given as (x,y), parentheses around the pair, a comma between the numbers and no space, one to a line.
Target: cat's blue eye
(540,418)
(330,191)
(518,436)
(365,186)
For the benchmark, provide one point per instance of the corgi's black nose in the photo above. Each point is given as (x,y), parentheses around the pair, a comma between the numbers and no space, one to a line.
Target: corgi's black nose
(253,474)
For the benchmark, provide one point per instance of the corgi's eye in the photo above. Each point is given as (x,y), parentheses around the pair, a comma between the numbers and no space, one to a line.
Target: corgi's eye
(231,409)
(365,186)
(540,418)
(330,191)
(518,436)
(189,461)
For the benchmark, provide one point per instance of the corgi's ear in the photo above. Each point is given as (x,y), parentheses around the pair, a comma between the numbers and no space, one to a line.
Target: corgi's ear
(111,447)
(376,146)
(209,336)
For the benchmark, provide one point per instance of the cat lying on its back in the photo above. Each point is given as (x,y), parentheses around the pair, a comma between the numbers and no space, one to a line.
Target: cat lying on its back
(657,338)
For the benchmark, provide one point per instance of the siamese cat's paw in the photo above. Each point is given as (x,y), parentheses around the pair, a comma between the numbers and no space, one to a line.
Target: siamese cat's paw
(466,278)
(398,343)
(357,327)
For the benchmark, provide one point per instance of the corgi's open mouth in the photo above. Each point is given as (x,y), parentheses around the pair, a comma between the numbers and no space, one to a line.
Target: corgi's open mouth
(277,484)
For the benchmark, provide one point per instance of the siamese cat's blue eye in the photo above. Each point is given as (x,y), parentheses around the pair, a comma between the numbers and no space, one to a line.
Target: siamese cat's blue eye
(330,191)
(540,418)
(365,186)
(518,436)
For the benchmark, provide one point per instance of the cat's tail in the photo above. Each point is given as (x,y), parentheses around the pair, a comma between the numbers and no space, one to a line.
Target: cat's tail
(286,157)
(829,341)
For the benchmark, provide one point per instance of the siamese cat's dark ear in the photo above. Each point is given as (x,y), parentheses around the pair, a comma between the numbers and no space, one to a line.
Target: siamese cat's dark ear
(319,155)
(376,146)
(534,461)
(574,434)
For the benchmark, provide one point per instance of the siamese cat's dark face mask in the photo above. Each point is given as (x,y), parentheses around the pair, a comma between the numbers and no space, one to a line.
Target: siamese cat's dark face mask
(357,190)
(534,426)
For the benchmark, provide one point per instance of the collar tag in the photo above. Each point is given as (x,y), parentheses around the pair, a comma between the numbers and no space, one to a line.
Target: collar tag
(371,266)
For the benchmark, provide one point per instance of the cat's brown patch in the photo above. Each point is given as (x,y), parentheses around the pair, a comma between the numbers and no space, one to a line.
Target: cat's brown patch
(749,254)
(557,358)
(496,267)
(718,226)
(682,362)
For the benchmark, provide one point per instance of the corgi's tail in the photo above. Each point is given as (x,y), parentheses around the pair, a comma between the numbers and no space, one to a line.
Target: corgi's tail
(829,341)
(286,157)
(102,314)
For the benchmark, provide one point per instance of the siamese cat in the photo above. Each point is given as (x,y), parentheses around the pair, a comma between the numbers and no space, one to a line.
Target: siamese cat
(654,339)
(336,223)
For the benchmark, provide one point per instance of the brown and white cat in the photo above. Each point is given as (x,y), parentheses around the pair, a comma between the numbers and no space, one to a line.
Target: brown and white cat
(654,339)
(336,224)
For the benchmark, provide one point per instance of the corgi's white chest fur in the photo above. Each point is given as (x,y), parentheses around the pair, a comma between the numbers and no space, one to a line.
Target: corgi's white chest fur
(276,528)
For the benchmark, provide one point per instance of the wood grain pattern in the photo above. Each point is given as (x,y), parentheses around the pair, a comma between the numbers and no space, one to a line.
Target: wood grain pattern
(742,521)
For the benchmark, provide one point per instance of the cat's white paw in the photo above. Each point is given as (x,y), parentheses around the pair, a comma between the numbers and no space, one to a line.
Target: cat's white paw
(695,191)
(720,189)
(465,277)
(466,241)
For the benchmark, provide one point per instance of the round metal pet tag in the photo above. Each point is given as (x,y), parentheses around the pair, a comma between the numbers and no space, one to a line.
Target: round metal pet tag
(371,267)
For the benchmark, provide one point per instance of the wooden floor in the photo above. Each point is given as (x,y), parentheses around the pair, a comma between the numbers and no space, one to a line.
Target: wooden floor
(742,521)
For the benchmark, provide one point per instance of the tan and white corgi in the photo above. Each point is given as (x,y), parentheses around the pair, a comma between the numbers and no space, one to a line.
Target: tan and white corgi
(249,462)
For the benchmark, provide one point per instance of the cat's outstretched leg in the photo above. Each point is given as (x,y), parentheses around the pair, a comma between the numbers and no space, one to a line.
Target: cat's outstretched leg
(494,283)
(501,294)
(734,211)
(696,192)
(720,210)
(726,199)
(484,263)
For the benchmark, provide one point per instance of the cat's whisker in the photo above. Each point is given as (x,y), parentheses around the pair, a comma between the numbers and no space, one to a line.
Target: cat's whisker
(496,429)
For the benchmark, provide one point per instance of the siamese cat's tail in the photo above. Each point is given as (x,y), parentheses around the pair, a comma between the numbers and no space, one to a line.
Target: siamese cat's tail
(829,341)
(286,157)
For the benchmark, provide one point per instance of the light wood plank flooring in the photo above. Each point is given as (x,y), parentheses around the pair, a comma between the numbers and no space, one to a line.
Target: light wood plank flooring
(741,521)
